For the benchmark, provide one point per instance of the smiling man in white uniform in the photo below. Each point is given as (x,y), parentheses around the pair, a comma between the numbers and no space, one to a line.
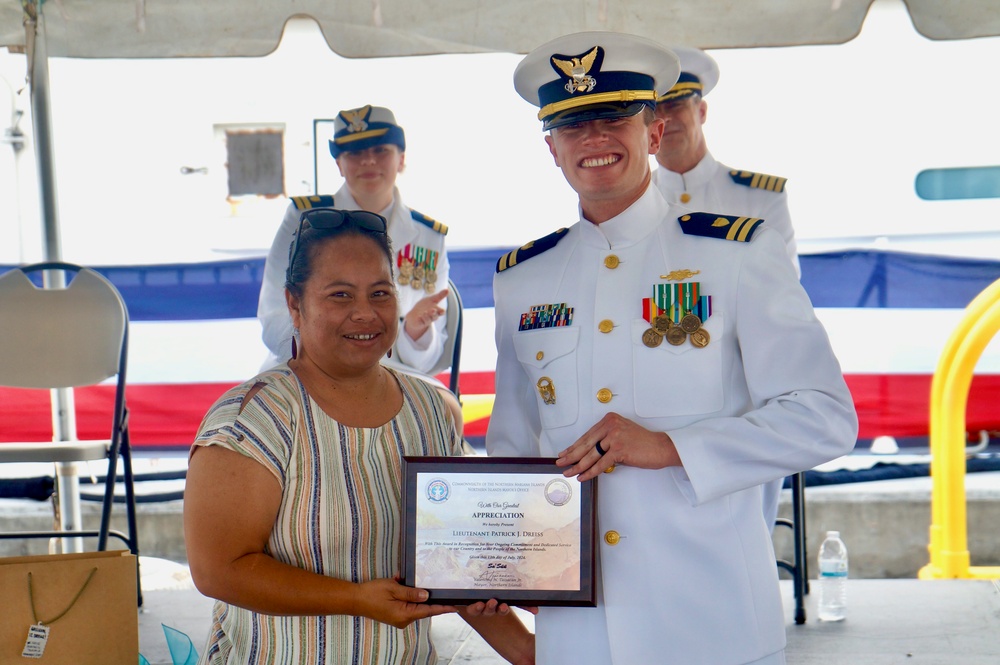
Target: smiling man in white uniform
(670,352)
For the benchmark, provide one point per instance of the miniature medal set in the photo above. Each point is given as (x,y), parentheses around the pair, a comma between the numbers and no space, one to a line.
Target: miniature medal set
(418,268)
(676,312)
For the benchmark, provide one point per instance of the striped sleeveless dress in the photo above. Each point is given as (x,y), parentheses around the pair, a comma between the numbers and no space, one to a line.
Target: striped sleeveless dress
(340,516)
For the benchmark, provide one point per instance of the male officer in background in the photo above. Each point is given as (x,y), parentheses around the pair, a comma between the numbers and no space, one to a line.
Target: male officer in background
(674,354)
(688,175)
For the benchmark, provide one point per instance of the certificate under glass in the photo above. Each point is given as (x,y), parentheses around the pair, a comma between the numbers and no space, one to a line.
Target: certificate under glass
(514,529)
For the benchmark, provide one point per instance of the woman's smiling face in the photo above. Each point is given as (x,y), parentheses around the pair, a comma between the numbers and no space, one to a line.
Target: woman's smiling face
(347,315)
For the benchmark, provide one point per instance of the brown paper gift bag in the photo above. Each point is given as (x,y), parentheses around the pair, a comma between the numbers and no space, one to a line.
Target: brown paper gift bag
(101,627)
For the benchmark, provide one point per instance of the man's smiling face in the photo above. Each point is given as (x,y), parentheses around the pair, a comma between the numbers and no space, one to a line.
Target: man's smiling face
(606,161)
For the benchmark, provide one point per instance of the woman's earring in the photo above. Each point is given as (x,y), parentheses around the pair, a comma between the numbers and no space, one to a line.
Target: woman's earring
(389,355)
(295,349)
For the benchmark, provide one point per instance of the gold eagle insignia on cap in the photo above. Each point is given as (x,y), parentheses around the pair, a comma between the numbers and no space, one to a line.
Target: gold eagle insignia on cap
(578,70)
(356,119)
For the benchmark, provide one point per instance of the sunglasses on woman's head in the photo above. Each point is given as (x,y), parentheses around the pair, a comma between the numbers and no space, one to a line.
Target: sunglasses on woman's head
(331,218)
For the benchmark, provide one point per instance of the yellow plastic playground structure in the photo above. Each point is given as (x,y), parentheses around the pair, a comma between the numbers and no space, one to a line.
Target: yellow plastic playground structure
(949,549)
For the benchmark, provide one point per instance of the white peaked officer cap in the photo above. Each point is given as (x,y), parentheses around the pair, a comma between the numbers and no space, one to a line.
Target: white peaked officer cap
(699,74)
(594,75)
(363,128)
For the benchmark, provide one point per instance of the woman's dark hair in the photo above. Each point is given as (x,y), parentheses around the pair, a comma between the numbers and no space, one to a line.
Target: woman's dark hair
(316,231)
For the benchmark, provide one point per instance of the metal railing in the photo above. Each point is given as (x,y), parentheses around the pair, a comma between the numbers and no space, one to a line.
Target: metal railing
(949,550)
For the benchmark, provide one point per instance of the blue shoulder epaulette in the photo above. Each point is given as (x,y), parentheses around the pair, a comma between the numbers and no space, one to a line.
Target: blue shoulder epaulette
(313,201)
(533,248)
(771,183)
(429,222)
(711,225)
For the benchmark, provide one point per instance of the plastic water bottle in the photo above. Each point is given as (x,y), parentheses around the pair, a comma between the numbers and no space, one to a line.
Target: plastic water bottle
(832,578)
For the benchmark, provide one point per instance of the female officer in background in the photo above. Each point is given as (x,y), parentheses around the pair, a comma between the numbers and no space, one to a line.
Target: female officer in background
(370,150)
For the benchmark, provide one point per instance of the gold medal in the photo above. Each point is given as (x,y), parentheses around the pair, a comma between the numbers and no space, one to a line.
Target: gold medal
(431,276)
(416,284)
(662,324)
(690,323)
(676,336)
(429,288)
(700,338)
(405,271)
(651,338)
(418,272)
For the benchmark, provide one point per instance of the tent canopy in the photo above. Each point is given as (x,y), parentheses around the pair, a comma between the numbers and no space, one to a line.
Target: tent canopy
(378,28)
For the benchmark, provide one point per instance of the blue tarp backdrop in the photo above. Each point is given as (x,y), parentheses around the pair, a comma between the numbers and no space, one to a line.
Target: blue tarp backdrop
(229,289)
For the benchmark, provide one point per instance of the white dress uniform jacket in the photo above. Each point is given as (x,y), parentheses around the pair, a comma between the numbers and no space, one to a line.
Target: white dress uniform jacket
(712,188)
(408,354)
(692,577)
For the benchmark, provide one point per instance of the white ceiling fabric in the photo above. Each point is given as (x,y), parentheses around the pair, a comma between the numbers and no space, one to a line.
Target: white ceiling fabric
(378,28)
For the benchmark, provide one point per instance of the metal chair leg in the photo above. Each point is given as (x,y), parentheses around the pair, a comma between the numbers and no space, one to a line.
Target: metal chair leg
(799,570)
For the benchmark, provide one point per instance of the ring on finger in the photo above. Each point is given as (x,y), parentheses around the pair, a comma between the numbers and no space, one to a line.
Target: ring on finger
(600,450)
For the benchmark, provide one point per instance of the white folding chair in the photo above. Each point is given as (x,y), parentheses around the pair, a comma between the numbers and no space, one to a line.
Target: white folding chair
(69,332)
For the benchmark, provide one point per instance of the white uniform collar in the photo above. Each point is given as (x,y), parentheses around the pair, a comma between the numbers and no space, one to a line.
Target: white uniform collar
(669,181)
(631,226)
(401,228)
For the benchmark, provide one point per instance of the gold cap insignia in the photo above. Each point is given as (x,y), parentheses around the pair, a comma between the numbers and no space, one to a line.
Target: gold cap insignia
(357,119)
(577,69)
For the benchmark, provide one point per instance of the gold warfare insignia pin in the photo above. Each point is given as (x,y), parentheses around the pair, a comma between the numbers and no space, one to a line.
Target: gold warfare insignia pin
(680,275)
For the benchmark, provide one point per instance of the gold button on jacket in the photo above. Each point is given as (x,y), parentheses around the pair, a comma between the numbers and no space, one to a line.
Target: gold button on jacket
(612,537)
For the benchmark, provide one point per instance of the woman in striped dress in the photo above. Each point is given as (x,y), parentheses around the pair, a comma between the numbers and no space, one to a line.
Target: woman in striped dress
(292,508)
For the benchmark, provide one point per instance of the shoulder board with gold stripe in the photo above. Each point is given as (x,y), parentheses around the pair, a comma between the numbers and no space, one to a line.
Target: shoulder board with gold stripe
(727,227)
(771,183)
(429,222)
(533,248)
(314,201)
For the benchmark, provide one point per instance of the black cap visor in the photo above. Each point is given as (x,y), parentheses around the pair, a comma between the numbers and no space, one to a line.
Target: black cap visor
(594,112)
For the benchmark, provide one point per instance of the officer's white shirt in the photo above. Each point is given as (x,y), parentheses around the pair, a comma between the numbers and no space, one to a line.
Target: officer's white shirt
(408,354)
(693,577)
(712,190)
